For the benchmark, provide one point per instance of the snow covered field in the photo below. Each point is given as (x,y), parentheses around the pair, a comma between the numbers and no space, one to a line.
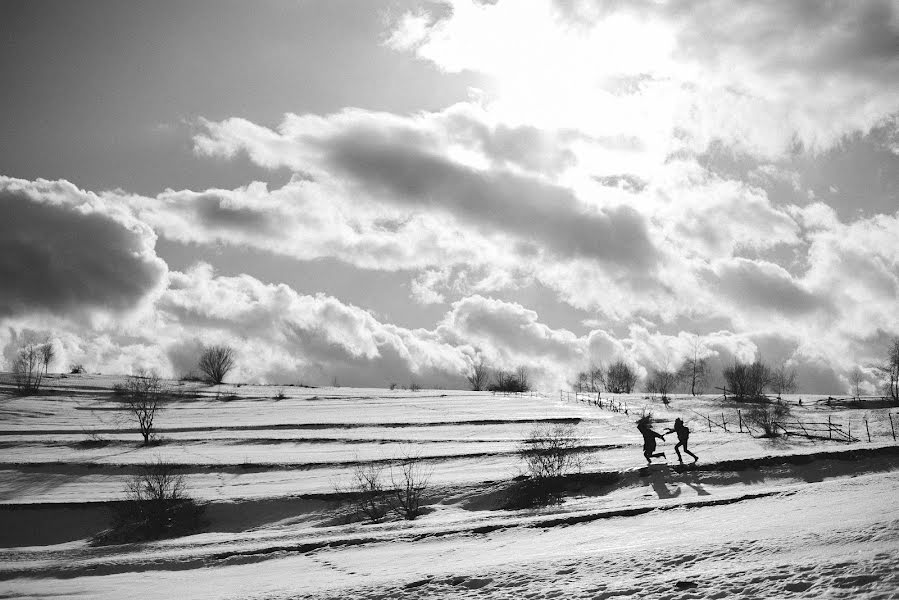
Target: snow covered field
(756,518)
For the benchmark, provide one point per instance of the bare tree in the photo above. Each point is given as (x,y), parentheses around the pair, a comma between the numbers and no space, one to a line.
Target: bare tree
(889,370)
(855,380)
(143,395)
(409,482)
(747,381)
(478,374)
(216,362)
(521,378)
(694,372)
(30,367)
(592,380)
(620,378)
(783,381)
(661,381)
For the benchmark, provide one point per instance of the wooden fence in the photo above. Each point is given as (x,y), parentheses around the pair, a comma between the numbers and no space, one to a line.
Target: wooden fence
(832,429)
(594,399)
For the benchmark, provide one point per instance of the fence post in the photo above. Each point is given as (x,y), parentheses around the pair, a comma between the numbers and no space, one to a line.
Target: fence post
(829,428)
(723,423)
(892,428)
(849,426)
(867,430)
(740,419)
(709,419)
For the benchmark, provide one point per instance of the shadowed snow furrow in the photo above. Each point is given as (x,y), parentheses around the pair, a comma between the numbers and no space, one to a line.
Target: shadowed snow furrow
(301,426)
(207,556)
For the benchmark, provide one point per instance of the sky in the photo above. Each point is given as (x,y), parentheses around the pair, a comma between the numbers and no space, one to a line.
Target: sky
(387,192)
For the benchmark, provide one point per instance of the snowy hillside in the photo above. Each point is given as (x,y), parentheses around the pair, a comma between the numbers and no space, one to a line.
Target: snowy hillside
(755,517)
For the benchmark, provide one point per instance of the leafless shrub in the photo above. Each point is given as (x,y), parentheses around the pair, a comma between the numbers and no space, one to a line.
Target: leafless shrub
(549,453)
(366,490)
(143,395)
(747,381)
(620,378)
(216,362)
(30,367)
(409,480)
(92,440)
(477,375)
(76,369)
(766,416)
(155,506)
(191,376)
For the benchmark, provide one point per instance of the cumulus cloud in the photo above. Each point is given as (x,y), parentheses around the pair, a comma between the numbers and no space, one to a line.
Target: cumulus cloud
(760,285)
(426,164)
(64,250)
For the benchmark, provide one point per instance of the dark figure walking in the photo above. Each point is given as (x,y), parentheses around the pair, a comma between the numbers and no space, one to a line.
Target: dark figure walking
(683,435)
(649,439)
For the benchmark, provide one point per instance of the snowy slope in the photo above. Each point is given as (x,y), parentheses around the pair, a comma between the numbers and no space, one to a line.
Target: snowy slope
(755,518)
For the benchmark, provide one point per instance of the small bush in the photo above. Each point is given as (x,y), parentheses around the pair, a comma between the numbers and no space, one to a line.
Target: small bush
(367,492)
(155,506)
(76,369)
(767,416)
(409,481)
(192,376)
(549,453)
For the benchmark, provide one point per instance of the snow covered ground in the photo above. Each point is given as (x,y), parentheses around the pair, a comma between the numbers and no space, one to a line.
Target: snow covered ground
(755,519)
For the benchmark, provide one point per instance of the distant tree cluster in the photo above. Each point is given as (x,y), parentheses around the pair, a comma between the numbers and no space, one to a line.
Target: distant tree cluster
(662,382)
(510,381)
(481,377)
(747,381)
(592,380)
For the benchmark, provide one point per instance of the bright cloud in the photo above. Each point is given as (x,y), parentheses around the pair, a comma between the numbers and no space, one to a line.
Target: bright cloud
(658,169)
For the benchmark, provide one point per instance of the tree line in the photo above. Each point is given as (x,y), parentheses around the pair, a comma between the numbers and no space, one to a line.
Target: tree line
(742,380)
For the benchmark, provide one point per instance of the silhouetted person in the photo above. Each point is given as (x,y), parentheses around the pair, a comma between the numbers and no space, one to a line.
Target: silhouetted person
(683,436)
(649,439)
